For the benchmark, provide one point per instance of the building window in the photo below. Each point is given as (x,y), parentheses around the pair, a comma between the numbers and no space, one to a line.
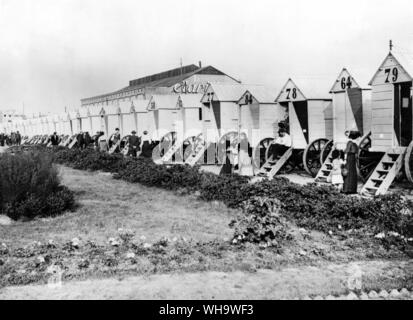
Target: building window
(200,114)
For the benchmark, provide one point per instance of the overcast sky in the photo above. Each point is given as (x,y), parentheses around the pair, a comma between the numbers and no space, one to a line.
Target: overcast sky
(55,52)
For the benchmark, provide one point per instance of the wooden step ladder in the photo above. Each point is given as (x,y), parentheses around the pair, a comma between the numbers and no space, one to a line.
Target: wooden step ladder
(169,154)
(271,167)
(125,149)
(326,168)
(113,148)
(65,143)
(385,173)
(71,145)
(196,154)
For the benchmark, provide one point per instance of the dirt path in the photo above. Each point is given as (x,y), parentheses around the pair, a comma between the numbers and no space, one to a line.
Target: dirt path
(288,283)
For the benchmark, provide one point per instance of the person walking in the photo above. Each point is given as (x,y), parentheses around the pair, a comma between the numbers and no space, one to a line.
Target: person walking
(87,139)
(13,138)
(103,143)
(227,167)
(350,158)
(134,144)
(18,138)
(146,145)
(54,139)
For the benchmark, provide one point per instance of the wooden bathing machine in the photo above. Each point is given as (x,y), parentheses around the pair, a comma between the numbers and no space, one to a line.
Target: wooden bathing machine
(391,123)
(310,125)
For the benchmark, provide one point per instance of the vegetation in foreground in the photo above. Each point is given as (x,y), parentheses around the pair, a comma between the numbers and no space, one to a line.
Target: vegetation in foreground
(30,187)
(321,208)
(168,232)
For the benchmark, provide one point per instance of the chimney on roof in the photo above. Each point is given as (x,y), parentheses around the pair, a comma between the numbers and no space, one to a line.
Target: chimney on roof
(200,64)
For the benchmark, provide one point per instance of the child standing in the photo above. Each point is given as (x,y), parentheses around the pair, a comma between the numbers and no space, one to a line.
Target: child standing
(336,174)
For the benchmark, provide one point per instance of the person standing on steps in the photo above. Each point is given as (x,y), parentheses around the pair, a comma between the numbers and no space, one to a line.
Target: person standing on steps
(350,158)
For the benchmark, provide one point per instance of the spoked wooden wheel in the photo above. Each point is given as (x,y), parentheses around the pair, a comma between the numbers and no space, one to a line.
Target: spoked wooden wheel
(311,156)
(228,140)
(191,144)
(326,151)
(165,143)
(367,161)
(124,144)
(408,162)
(259,155)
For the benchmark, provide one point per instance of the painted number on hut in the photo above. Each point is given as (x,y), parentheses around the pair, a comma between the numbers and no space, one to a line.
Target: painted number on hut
(391,74)
(291,94)
(346,82)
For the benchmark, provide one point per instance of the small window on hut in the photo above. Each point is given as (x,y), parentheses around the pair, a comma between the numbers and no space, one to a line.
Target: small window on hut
(200,114)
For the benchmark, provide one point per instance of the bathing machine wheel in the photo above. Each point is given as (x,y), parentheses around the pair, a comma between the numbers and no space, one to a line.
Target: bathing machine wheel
(165,143)
(408,162)
(367,161)
(259,154)
(124,145)
(228,140)
(326,151)
(312,156)
(193,143)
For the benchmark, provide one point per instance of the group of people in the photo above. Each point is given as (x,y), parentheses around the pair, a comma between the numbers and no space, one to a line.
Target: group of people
(142,146)
(83,140)
(344,162)
(12,139)
(344,172)
(136,145)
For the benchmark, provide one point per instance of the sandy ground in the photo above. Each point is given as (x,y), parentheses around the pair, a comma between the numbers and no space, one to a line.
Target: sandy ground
(288,283)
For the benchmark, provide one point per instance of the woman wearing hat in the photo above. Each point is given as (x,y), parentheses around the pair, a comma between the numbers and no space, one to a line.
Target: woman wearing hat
(146,145)
(350,157)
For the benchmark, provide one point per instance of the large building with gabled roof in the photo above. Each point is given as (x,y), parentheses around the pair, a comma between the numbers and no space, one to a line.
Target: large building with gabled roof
(190,79)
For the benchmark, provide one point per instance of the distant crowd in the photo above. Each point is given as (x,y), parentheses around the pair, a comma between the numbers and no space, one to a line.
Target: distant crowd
(134,145)
(12,139)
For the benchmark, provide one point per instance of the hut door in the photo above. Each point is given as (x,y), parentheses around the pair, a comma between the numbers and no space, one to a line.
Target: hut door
(301,109)
(403,113)
(216,107)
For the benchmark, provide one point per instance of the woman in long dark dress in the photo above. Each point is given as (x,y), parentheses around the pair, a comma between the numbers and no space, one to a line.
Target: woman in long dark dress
(350,154)
(227,168)
(146,145)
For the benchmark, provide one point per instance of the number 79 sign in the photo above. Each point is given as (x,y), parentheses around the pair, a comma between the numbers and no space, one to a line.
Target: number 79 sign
(391,74)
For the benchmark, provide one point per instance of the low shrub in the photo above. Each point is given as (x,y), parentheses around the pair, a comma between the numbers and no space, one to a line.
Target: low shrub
(261,223)
(315,207)
(30,186)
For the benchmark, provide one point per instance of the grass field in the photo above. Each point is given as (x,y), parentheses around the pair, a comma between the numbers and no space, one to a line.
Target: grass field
(107,205)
